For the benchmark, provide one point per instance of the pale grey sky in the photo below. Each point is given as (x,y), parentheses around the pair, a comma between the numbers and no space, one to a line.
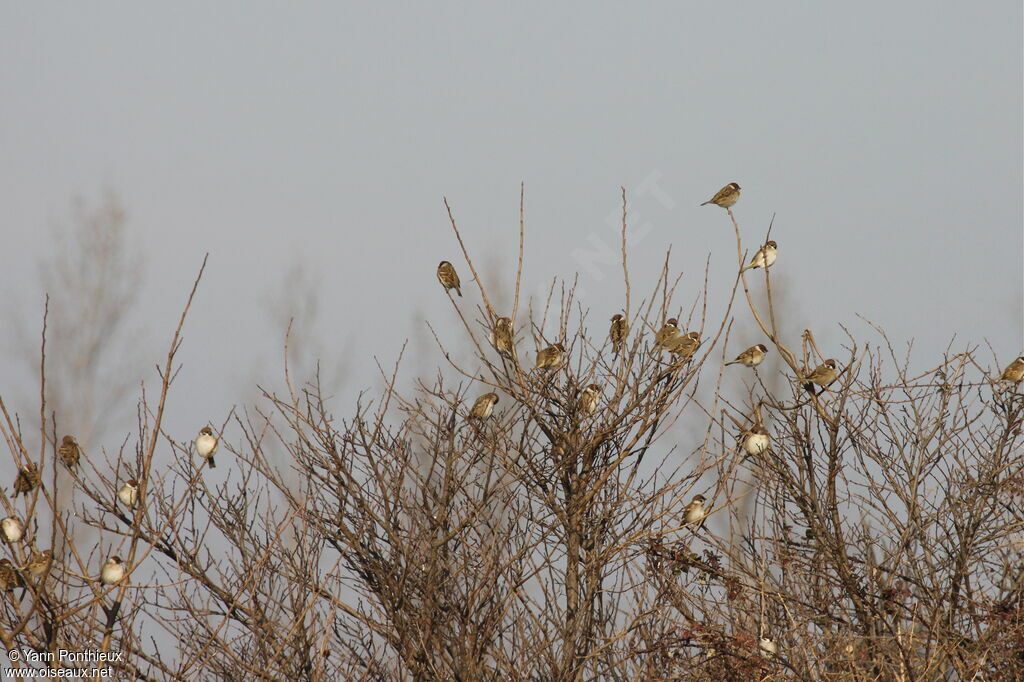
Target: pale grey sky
(887,138)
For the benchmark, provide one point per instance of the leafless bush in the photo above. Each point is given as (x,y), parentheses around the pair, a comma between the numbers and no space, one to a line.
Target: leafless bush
(877,537)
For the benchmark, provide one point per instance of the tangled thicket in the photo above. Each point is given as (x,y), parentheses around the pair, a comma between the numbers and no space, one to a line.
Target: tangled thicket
(878,537)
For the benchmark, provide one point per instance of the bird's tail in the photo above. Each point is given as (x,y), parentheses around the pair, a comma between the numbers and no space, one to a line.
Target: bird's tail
(731,362)
(213,465)
(458,290)
(706,202)
(809,387)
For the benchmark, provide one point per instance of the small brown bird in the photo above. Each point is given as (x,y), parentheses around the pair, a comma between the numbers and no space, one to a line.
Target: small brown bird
(448,278)
(129,493)
(756,441)
(764,258)
(823,375)
(503,338)
(26,480)
(751,357)
(1014,371)
(69,452)
(618,332)
(39,564)
(112,571)
(12,529)
(9,576)
(206,445)
(551,357)
(484,406)
(725,197)
(666,336)
(589,398)
(695,511)
(684,347)
(768,647)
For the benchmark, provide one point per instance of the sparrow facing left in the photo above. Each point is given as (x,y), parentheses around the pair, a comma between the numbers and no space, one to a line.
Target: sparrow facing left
(756,441)
(725,197)
(112,571)
(448,278)
(618,332)
(9,576)
(768,647)
(1014,371)
(129,493)
(13,529)
(69,452)
(502,338)
(751,357)
(206,445)
(589,399)
(764,258)
(26,480)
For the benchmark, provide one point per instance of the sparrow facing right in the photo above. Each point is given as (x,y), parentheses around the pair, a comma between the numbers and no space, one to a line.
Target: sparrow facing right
(448,278)
(39,564)
(13,529)
(206,445)
(112,571)
(725,197)
(589,399)
(129,493)
(484,406)
(751,357)
(823,375)
(69,452)
(756,441)
(26,480)
(764,258)
(666,336)
(502,338)
(618,332)
(1014,371)
(684,347)
(695,511)
(552,357)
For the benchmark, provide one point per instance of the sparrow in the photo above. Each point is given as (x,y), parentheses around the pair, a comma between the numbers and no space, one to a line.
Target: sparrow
(685,346)
(751,357)
(589,398)
(768,647)
(726,197)
(39,564)
(69,452)
(695,511)
(551,357)
(502,338)
(823,375)
(667,334)
(755,441)
(129,493)
(26,480)
(618,332)
(448,278)
(1014,371)
(764,257)
(13,529)
(206,445)
(9,576)
(484,406)
(112,571)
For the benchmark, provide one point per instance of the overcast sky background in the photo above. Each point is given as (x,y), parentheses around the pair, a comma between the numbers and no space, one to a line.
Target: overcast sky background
(887,138)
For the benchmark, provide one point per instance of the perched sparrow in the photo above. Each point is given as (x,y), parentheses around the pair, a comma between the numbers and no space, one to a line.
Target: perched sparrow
(726,197)
(751,357)
(1014,371)
(551,357)
(589,398)
(26,480)
(112,571)
(206,445)
(484,406)
(764,257)
(69,452)
(9,576)
(39,564)
(502,338)
(618,332)
(667,334)
(823,375)
(448,278)
(129,493)
(13,529)
(756,441)
(685,346)
(768,647)
(695,511)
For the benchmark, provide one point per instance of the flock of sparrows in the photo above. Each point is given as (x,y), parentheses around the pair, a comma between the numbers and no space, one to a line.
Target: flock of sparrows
(12,529)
